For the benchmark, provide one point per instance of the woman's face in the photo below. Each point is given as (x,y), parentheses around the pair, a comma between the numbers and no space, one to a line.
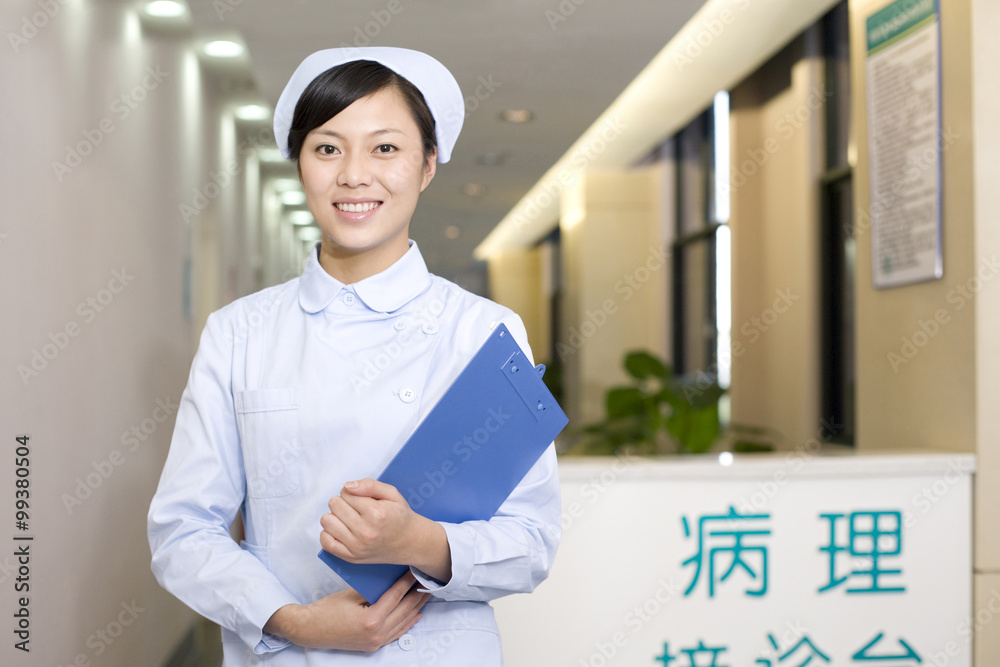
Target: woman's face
(362,172)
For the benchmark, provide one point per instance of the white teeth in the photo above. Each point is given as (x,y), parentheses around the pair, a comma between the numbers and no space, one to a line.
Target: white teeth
(357,208)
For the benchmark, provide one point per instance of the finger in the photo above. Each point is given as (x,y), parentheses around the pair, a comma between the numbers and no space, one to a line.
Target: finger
(333,546)
(392,597)
(403,629)
(371,488)
(335,527)
(406,614)
(344,511)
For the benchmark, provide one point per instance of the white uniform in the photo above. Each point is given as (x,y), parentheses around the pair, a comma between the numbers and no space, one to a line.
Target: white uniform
(297,389)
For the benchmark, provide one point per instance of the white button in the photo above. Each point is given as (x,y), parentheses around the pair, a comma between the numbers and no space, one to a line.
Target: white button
(407,642)
(407,394)
(399,325)
(430,327)
(349,299)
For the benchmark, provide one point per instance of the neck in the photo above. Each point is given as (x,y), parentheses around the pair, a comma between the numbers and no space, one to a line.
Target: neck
(352,266)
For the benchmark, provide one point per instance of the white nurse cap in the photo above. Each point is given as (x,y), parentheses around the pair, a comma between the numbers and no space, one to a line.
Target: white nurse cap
(432,79)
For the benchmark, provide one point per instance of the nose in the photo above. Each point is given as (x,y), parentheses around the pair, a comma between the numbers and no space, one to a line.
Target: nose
(355,170)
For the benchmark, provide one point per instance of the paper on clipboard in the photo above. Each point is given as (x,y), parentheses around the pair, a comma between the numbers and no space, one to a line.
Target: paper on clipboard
(471,451)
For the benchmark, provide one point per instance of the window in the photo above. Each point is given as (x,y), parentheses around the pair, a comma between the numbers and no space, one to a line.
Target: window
(837,234)
(701,308)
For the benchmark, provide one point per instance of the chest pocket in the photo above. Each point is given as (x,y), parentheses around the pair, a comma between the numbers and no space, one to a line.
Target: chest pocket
(268,420)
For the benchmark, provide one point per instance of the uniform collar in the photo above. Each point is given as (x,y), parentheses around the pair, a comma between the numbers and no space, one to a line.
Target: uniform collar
(384,292)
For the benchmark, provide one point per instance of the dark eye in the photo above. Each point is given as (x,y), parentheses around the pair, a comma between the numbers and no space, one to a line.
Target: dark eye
(326,149)
(385,148)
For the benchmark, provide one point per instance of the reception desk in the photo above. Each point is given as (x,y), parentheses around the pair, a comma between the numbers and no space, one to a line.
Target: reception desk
(775,559)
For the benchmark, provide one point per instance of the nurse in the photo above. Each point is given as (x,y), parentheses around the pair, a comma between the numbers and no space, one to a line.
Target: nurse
(300,394)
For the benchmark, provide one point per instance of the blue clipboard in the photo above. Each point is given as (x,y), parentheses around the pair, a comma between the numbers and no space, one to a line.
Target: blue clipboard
(471,451)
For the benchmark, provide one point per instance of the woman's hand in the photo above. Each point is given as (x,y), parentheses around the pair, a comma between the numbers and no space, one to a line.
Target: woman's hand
(344,621)
(371,522)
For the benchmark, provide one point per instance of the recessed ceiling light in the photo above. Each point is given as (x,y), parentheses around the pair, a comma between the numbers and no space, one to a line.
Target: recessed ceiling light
(474,189)
(252,112)
(300,218)
(165,9)
(491,159)
(223,48)
(452,232)
(293,198)
(516,115)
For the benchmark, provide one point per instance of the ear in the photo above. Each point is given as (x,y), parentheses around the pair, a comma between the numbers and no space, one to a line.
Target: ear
(430,168)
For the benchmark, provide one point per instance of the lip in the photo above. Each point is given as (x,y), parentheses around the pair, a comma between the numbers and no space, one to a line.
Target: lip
(356,216)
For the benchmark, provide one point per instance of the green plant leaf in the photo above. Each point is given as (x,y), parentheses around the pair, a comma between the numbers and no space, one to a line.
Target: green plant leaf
(699,390)
(704,429)
(624,402)
(642,365)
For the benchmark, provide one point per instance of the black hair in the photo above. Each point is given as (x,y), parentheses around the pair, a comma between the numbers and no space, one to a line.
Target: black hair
(338,87)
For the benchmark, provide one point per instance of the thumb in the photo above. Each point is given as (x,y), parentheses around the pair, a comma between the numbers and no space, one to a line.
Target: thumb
(371,488)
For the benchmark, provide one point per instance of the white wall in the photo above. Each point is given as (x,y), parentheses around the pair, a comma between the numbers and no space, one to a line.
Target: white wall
(63,239)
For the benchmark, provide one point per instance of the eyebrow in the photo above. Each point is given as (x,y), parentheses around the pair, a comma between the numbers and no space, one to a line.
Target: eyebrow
(376,133)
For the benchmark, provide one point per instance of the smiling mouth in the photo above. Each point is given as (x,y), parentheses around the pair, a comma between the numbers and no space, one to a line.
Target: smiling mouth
(358,208)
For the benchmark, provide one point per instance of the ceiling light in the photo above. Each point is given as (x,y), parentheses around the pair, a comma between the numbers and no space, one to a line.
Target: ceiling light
(300,218)
(516,115)
(474,189)
(253,112)
(452,232)
(309,234)
(270,155)
(223,48)
(491,159)
(286,184)
(165,9)
(293,198)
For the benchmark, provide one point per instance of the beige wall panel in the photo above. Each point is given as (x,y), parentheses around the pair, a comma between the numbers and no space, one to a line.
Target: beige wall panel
(929,401)
(776,144)
(616,270)
(986,167)
(516,281)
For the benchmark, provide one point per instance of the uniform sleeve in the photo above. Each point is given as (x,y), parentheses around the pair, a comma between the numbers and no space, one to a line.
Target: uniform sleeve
(513,552)
(202,487)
